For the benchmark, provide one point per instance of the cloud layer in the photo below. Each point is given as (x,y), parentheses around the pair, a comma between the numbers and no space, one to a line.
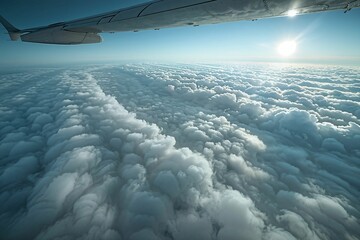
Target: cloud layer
(180,152)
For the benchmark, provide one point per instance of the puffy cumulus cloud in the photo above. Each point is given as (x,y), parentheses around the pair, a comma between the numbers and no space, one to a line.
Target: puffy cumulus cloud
(296,124)
(180,152)
(237,216)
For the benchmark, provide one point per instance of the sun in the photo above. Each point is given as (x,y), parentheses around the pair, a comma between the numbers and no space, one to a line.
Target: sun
(287,48)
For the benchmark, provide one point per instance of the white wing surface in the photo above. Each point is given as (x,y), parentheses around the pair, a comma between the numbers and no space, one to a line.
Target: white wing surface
(170,13)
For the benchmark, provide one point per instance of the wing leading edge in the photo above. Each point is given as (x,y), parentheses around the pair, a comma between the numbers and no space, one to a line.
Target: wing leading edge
(170,13)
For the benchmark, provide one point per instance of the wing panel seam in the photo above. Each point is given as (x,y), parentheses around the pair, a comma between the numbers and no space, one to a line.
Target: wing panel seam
(192,5)
(139,16)
(146,8)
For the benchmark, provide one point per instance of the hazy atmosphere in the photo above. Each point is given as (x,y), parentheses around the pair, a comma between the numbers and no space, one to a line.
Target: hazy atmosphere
(235,131)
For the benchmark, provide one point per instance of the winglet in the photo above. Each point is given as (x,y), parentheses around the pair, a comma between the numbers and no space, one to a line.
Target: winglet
(14,33)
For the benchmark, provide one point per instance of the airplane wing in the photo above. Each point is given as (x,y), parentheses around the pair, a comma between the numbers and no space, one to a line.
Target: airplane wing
(170,13)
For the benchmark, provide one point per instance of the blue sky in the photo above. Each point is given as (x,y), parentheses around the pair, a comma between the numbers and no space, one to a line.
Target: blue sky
(327,38)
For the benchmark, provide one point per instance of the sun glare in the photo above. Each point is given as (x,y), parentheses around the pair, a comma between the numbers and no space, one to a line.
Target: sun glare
(292,13)
(287,48)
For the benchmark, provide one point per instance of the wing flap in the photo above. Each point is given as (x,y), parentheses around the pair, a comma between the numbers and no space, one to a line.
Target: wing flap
(58,35)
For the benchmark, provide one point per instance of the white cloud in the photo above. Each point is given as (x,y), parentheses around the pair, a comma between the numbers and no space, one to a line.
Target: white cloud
(180,152)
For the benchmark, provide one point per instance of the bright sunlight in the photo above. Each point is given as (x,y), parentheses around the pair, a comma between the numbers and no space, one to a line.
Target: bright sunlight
(287,48)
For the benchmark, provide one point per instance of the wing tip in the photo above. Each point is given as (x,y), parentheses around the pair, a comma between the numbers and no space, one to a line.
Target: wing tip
(13,32)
